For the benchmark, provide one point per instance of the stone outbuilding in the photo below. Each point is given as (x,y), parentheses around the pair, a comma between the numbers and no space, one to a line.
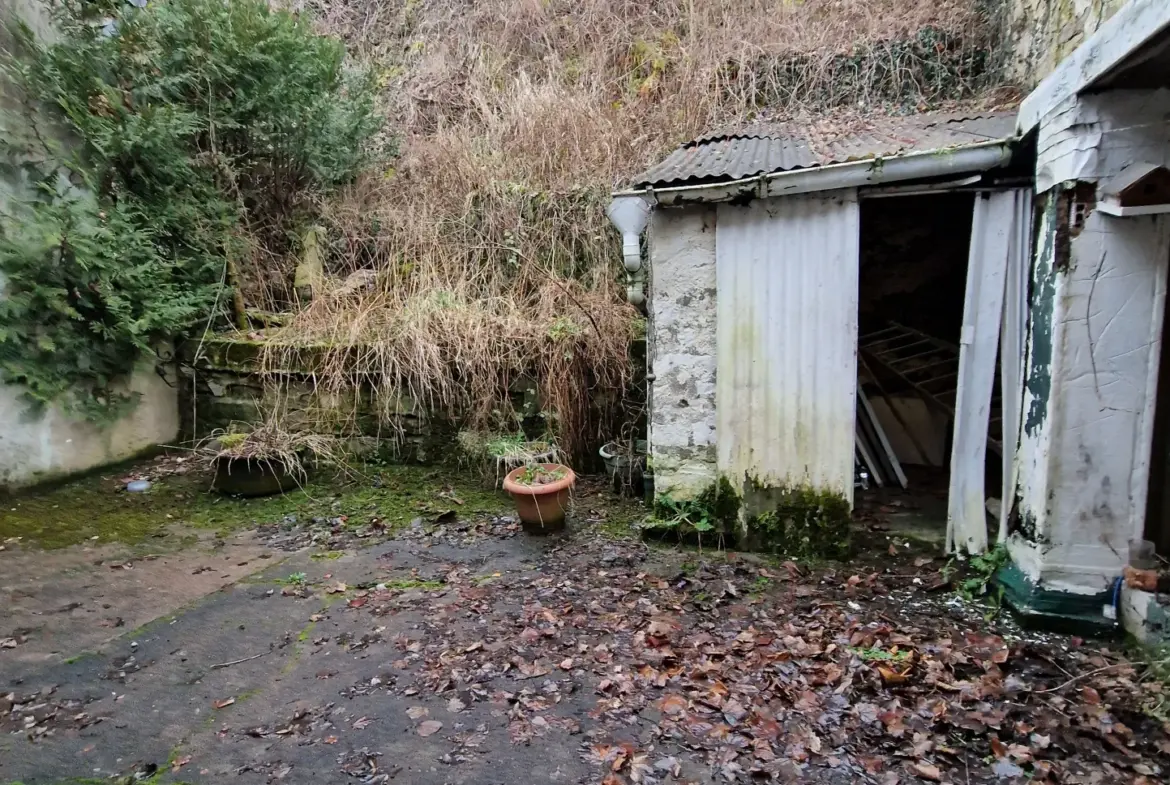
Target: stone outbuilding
(772,258)
(798,284)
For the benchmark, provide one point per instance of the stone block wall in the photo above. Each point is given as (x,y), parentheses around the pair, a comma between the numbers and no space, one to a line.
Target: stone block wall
(220,384)
(681,345)
(1041,33)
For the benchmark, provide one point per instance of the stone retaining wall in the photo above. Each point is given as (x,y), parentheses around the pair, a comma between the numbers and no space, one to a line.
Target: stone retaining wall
(220,383)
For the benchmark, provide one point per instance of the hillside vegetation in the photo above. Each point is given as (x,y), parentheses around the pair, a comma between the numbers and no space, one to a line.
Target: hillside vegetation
(517,117)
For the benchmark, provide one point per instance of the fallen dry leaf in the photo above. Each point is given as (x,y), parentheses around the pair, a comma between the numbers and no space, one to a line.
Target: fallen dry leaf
(928,771)
(222,704)
(429,728)
(1144,580)
(891,676)
(673,704)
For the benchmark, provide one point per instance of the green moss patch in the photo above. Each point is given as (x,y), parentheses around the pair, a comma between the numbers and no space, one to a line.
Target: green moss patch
(98,507)
(798,522)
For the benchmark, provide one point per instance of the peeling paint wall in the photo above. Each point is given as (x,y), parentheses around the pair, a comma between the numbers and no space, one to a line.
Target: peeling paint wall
(1041,33)
(1098,294)
(1093,137)
(681,346)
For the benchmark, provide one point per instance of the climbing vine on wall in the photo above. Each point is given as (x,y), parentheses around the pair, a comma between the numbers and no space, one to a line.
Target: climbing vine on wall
(172,143)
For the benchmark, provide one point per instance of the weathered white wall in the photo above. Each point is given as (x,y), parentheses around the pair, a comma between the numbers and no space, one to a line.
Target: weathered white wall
(33,450)
(56,444)
(1041,33)
(1094,347)
(1085,471)
(681,344)
(787,273)
(1093,137)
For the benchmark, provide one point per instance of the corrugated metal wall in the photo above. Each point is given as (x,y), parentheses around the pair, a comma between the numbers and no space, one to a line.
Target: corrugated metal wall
(786,382)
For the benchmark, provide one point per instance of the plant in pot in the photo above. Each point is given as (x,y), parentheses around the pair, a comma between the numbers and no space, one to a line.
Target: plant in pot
(262,460)
(541,492)
(497,453)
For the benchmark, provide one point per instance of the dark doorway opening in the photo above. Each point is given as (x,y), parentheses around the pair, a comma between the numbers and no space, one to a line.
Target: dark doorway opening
(912,288)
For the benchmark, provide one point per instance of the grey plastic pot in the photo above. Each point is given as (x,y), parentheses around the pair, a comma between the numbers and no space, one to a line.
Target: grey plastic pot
(624,470)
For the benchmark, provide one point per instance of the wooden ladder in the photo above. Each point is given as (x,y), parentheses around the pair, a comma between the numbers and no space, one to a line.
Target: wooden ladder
(930,367)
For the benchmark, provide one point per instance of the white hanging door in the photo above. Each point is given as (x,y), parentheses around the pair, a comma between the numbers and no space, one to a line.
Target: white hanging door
(994,239)
(1012,346)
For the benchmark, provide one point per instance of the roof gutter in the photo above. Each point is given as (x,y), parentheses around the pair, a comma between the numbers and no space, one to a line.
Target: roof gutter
(852,174)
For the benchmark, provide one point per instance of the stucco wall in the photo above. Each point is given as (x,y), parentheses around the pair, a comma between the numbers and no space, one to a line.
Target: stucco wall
(1041,33)
(55,444)
(681,343)
(1098,298)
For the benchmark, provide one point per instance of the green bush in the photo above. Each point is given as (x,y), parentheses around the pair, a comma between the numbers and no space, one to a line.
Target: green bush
(196,136)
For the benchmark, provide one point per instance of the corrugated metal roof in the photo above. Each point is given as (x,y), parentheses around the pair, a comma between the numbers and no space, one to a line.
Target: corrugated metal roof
(763,149)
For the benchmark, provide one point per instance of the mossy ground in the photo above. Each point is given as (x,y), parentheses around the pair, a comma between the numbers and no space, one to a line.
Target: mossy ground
(97,507)
(618,517)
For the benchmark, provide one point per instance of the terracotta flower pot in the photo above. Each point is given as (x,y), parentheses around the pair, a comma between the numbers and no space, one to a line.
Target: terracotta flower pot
(541,505)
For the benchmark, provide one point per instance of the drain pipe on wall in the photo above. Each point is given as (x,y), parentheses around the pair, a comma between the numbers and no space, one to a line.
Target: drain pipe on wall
(630,214)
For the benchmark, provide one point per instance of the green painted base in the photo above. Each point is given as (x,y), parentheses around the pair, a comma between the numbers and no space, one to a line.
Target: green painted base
(1056,611)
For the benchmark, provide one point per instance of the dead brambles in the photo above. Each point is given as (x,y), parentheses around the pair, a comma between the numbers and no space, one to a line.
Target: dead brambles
(484,253)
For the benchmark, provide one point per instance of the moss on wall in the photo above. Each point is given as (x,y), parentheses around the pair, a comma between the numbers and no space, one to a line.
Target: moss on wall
(797,522)
(713,512)
(224,384)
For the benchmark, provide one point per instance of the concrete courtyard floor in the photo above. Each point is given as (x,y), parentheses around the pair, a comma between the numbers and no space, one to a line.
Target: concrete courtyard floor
(417,637)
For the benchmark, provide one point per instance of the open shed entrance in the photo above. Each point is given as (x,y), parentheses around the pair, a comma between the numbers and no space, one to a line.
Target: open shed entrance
(914,254)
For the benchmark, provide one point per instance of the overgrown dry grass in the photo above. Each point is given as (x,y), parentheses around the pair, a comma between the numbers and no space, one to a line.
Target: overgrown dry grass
(493,255)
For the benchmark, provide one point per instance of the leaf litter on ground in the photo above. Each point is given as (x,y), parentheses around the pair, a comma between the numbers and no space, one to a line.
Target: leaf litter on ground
(819,676)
